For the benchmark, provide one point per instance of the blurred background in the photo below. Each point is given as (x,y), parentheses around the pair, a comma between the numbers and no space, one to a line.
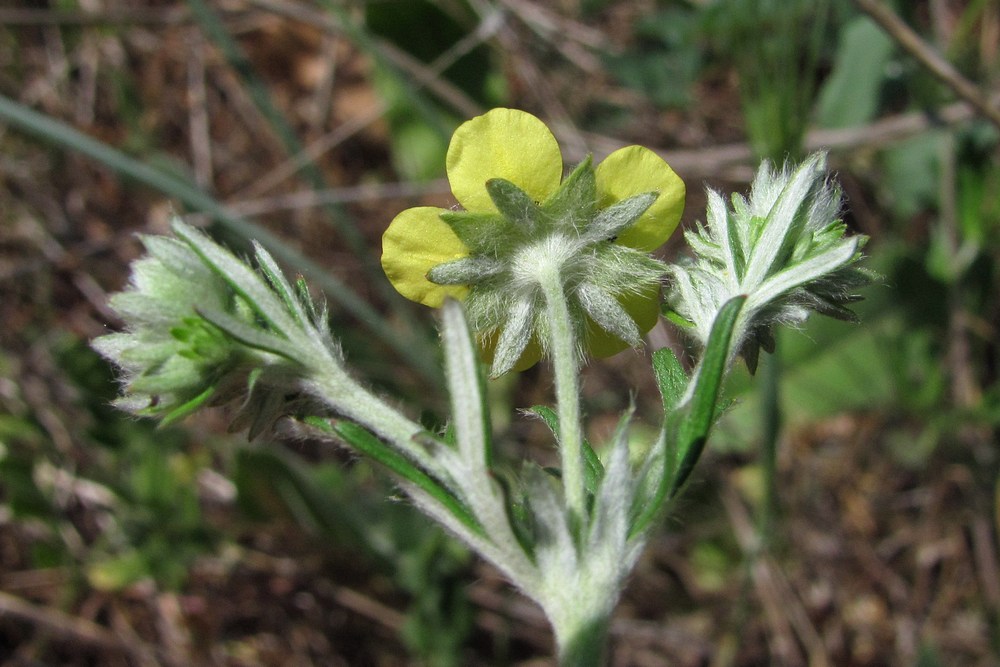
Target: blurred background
(846,513)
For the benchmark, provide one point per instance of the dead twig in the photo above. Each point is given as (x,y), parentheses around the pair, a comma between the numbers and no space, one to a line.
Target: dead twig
(784,611)
(575,41)
(366,192)
(198,116)
(24,16)
(422,76)
(712,161)
(74,629)
(721,160)
(943,70)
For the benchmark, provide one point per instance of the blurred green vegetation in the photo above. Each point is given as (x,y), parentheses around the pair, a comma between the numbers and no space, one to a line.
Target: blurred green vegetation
(355,102)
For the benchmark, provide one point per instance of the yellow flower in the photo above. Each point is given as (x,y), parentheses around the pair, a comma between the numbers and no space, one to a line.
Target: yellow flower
(598,224)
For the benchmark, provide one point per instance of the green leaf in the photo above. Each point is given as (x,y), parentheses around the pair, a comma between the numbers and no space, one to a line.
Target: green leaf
(271,483)
(685,427)
(704,401)
(467,387)
(910,173)
(514,203)
(369,445)
(671,379)
(850,95)
(21,492)
(519,515)
(593,470)
(115,573)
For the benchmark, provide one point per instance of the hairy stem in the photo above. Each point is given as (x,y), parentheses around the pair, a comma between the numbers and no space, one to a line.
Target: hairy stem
(562,343)
(337,390)
(586,647)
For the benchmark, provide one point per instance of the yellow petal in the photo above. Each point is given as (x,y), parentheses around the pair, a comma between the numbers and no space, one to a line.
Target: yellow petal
(634,170)
(502,143)
(644,309)
(416,241)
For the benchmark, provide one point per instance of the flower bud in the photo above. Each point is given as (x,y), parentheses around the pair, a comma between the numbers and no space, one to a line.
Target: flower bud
(784,247)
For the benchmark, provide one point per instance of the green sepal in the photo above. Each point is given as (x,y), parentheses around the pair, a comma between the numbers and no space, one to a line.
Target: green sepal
(836,311)
(676,318)
(280,284)
(369,445)
(574,202)
(737,258)
(174,375)
(182,410)
(593,470)
(608,223)
(263,405)
(250,335)
(750,352)
(243,280)
(448,437)
(483,233)
(515,204)
(464,271)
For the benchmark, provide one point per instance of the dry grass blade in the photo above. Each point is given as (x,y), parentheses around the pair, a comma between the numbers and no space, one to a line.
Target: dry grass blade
(788,620)
(71,628)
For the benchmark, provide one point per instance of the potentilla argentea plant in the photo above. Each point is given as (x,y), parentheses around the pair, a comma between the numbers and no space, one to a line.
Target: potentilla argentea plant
(535,265)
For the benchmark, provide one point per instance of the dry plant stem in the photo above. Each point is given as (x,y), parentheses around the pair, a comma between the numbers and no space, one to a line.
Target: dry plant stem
(792,630)
(535,82)
(704,162)
(74,629)
(911,42)
(964,390)
(429,76)
(422,75)
(198,117)
(117,16)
